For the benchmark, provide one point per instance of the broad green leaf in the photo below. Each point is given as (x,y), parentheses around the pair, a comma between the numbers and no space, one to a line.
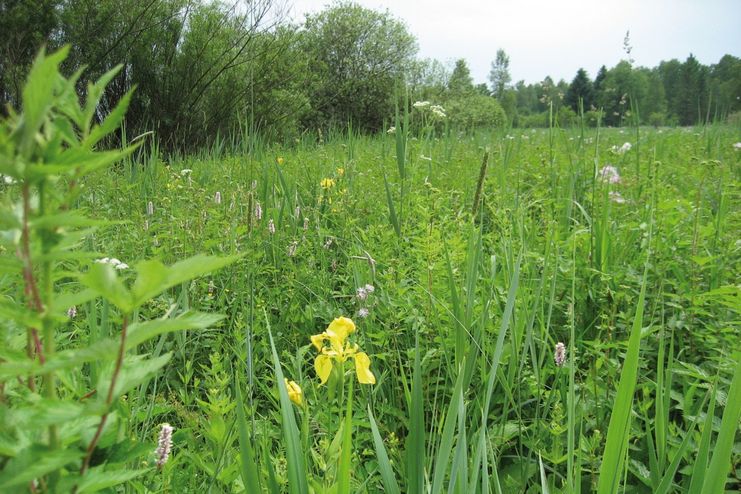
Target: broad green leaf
(97,479)
(111,122)
(154,278)
(143,331)
(38,93)
(103,280)
(32,463)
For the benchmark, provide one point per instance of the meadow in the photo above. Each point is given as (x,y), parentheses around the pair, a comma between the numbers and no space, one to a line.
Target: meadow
(425,310)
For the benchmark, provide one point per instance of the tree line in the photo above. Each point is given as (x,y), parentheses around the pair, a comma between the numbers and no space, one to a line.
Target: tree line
(206,69)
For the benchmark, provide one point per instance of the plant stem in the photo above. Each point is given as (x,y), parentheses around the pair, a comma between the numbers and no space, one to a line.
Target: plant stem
(109,398)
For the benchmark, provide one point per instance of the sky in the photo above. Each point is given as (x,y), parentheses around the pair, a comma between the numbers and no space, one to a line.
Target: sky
(558,37)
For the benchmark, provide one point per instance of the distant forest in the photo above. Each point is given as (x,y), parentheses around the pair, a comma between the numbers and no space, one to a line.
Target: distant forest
(204,69)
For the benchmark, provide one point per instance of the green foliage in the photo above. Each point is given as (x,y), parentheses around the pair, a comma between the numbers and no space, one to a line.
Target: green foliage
(475,111)
(54,422)
(357,56)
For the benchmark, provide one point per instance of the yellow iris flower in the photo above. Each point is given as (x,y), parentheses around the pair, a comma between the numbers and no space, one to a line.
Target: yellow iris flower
(294,392)
(340,172)
(327,183)
(339,350)
(279,160)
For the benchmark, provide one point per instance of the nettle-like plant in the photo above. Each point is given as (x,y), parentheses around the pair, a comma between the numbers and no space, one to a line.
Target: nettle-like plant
(62,399)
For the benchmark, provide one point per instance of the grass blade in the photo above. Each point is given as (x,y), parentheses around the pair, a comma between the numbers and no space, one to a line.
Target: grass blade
(247,455)
(619,428)
(384,465)
(297,482)
(716,476)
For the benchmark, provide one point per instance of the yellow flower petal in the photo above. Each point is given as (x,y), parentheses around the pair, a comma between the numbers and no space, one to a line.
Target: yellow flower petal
(323,367)
(362,369)
(318,340)
(295,393)
(341,327)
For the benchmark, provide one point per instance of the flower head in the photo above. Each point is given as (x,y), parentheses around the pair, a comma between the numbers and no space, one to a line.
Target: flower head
(217,197)
(279,160)
(737,146)
(438,111)
(327,183)
(421,104)
(271,227)
(72,312)
(392,130)
(164,445)
(340,172)
(258,211)
(609,174)
(150,208)
(560,354)
(363,312)
(295,394)
(616,197)
(339,350)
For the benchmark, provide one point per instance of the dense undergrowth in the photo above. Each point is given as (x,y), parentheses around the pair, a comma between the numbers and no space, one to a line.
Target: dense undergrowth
(478,271)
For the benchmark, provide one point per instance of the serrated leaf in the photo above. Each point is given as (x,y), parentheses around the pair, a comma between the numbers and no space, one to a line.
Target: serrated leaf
(111,122)
(103,280)
(97,479)
(32,463)
(154,278)
(143,331)
(135,370)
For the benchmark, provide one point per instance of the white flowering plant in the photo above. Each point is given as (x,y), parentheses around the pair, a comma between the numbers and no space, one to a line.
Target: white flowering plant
(62,427)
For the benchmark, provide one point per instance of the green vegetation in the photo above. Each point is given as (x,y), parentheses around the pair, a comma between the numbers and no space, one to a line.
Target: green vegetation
(173,325)
(209,71)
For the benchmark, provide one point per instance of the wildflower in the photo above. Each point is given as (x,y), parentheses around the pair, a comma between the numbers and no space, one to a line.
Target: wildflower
(294,392)
(306,224)
(363,312)
(297,211)
(271,226)
(560,354)
(279,160)
(622,149)
(185,172)
(113,262)
(339,351)
(616,197)
(438,111)
(292,248)
(72,312)
(392,130)
(328,243)
(369,288)
(362,293)
(327,183)
(421,104)
(736,146)
(258,211)
(8,180)
(217,197)
(164,445)
(609,174)
(211,288)
(253,185)
(150,208)
(340,172)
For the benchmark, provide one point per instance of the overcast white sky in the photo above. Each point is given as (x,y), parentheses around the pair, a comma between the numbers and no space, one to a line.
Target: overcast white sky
(557,37)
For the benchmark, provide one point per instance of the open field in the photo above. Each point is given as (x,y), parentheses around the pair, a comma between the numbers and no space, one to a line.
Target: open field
(551,310)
